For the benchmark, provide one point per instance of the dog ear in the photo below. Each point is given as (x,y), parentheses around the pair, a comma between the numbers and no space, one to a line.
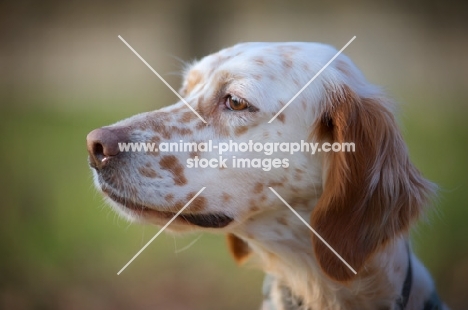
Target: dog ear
(370,195)
(239,248)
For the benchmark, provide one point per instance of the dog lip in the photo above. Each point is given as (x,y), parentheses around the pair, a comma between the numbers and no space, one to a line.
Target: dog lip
(132,205)
(207,220)
(210,220)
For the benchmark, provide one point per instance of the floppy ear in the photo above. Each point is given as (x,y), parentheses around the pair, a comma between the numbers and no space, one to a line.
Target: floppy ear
(239,248)
(370,195)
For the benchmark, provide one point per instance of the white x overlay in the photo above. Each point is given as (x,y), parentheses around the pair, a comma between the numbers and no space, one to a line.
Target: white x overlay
(161,230)
(272,119)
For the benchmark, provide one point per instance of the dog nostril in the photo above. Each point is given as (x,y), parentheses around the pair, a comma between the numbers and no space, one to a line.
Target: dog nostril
(98,151)
(103,143)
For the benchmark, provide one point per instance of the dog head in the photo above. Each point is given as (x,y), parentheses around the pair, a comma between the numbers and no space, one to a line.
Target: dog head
(362,198)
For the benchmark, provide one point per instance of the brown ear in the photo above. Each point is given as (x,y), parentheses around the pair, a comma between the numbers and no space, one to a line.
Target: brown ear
(370,195)
(239,248)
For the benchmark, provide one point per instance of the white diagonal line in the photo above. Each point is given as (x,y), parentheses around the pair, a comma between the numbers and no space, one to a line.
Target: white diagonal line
(163,80)
(312,79)
(161,230)
(315,233)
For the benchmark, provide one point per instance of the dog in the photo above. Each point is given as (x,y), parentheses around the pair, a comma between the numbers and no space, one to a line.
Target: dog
(360,203)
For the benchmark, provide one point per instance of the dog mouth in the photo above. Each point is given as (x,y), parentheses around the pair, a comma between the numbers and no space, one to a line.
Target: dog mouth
(210,220)
(206,220)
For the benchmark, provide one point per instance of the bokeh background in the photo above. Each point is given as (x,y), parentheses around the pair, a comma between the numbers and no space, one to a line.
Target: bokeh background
(64,72)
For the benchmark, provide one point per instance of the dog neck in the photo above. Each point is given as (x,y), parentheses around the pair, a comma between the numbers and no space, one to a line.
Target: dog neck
(284,251)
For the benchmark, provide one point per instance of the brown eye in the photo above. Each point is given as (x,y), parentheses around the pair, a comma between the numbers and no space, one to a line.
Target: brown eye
(236,104)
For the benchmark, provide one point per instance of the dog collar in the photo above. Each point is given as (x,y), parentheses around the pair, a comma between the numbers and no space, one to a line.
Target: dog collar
(433,303)
(406,290)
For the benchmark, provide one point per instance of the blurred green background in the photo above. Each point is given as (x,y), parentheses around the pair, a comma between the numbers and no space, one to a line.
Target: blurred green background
(64,72)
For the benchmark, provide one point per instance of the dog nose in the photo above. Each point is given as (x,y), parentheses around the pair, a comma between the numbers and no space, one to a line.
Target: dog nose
(103,143)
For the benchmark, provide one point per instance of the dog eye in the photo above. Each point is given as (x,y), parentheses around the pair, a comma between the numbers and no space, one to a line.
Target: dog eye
(236,104)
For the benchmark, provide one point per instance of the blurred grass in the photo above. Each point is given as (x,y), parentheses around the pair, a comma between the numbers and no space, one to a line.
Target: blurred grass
(436,131)
(61,246)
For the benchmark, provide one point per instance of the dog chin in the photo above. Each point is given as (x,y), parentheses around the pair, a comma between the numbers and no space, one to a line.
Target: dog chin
(136,212)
